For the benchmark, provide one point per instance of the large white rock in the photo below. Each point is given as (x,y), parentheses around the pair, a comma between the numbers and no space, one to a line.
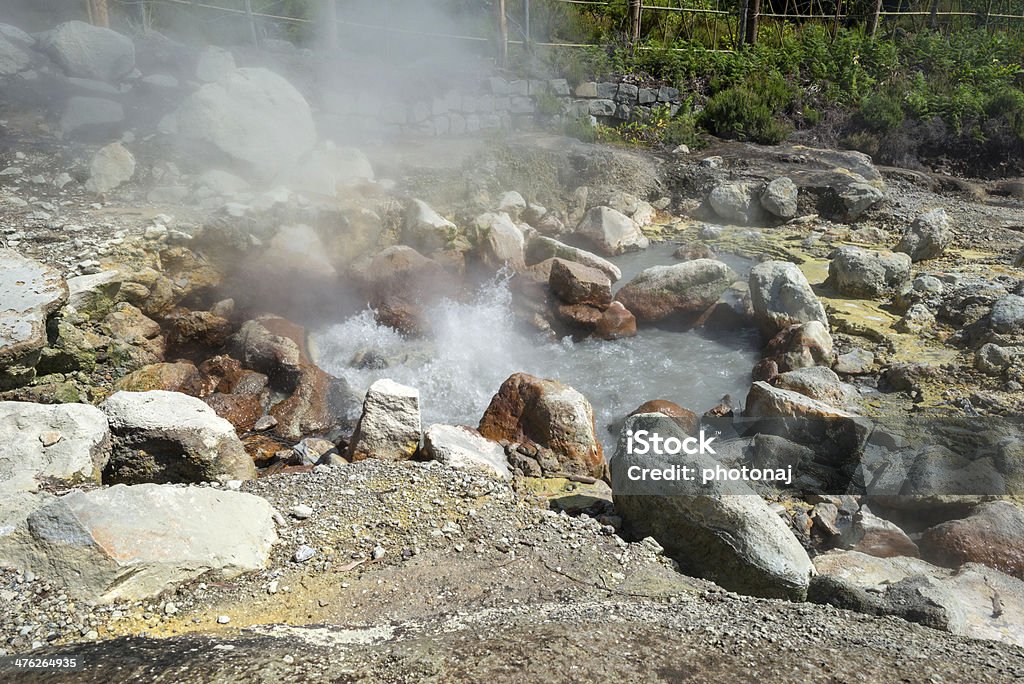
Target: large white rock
(390,426)
(29,293)
(89,51)
(110,167)
(501,241)
(252,115)
(130,543)
(722,531)
(171,437)
(466,449)
(541,248)
(611,231)
(64,443)
(861,272)
(781,296)
(660,292)
(425,229)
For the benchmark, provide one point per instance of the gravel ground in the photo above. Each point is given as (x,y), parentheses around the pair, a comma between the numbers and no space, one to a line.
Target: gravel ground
(474,583)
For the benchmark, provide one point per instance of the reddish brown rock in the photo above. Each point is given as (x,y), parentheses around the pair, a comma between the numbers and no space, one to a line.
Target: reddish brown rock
(801,346)
(317,406)
(581,316)
(684,418)
(199,328)
(765,401)
(616,323)
(241,411)
(264,449)
(547,415)
(274,346)
(575,283)
(881,538)
(993,534)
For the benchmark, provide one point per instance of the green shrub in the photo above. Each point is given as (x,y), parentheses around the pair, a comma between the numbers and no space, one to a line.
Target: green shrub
(1008,106)
(742,113)
(881,113)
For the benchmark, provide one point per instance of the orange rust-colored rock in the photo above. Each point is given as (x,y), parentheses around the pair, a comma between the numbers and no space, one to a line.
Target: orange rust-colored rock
(550,416)
(684,418)
(242,411)
(615,323)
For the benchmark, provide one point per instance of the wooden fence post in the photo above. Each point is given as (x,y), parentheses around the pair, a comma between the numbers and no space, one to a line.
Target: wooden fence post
(635,15)
(98,13)
(502,28)
(875,16)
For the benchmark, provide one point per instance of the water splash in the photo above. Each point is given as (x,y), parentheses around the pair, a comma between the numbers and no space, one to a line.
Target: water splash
(477,344)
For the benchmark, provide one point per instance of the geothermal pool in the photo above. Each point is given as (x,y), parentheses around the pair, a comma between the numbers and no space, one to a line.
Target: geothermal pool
(477,344)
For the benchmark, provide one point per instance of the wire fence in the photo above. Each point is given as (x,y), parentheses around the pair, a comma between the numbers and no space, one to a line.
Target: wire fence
(525,24)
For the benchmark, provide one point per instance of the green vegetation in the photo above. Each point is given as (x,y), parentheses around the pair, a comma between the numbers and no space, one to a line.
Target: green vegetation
(916,90)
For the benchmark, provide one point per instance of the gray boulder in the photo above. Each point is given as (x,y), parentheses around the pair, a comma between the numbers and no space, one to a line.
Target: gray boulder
(466,449)
(737,202)
(857,197)
(781,296)
(779,198)
(29,293)
(110,167)
(816,382)
(1007,315)
(541,248)
(500,241)
(85,112)
(164,436)
(611,231)
(132,543)
(766,401)
(723,532)
(928,236)
(12,57)
(252,115)
(89,51)
(425,229)
(67,444)
(691,287)
(575,283)
(975,601)
(866,273)
(390,426)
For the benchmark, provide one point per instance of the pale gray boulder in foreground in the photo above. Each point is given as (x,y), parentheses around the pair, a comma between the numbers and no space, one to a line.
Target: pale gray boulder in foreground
(127,543)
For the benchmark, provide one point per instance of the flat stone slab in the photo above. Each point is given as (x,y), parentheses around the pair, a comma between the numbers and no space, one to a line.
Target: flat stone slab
(29,293)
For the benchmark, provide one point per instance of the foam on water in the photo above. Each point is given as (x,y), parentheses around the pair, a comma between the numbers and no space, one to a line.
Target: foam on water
(477,344)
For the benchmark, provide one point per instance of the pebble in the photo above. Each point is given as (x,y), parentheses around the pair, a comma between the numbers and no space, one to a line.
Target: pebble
(223,620)
(304,553)
(301,511)
(265,423)
(378,552)
(49,438)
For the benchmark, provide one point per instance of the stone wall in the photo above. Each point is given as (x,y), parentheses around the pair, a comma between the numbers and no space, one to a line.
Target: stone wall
(497,104)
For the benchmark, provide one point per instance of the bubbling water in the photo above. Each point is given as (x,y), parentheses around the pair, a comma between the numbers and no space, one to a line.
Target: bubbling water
(475,345)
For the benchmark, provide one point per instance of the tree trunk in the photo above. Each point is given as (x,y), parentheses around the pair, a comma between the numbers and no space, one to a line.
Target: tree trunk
(100,15)
(753,13)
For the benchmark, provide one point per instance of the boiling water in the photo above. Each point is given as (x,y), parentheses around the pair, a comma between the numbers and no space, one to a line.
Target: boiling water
(476,345)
